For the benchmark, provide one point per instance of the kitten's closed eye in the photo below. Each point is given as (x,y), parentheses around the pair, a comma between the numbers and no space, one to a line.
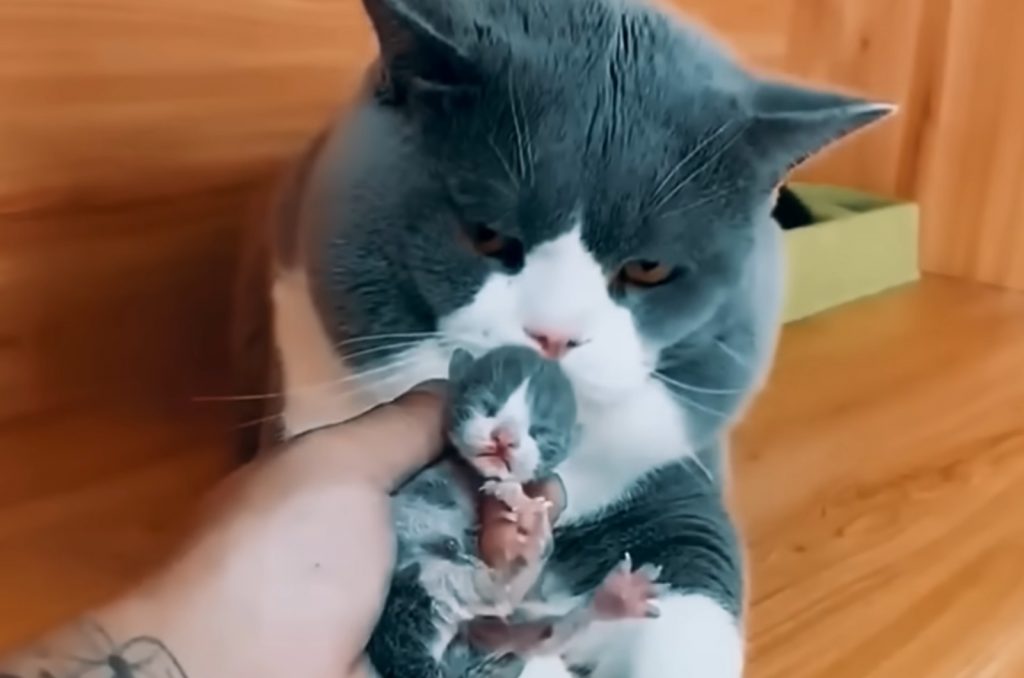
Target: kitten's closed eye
(489,243)
(537,431)
(645,273)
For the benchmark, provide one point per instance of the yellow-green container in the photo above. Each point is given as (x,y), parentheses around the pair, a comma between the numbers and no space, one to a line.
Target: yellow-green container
(860,245)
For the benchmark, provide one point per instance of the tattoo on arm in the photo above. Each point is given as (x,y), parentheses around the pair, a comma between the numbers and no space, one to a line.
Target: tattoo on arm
(94,653)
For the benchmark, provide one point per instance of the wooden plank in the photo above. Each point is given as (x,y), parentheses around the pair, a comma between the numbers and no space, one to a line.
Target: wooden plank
(971,172)
(757,29)
(118,100)
(867,47)
(879,480)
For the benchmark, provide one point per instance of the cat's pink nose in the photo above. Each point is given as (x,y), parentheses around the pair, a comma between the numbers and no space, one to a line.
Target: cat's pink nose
(553,344)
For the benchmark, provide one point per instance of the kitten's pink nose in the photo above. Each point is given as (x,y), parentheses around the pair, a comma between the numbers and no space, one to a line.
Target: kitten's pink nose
(504,440)
(553,344)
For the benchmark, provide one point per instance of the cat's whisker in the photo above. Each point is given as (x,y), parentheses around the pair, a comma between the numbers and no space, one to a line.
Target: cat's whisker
(306,387)
(732,353)
(354,388)
(686,159)
(686,401)
(519,126)
(528,138)
(707,199)
(382,349)
(257,422)
(696,389)
(703,167)
(699,464)
(504,162)
(362,339)
(361,376)
(249,397)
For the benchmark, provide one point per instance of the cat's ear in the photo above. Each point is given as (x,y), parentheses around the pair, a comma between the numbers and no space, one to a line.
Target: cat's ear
(416,49)
(792,123)
(460,363)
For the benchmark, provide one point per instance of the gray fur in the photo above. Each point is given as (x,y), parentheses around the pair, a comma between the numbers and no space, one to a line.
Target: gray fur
(519,113)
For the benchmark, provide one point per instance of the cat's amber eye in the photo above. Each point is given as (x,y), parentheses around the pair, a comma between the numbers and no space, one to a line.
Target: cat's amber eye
(485,240)
(643,273)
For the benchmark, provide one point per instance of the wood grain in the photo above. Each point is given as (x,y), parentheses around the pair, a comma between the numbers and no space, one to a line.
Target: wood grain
(108,101)
(878,480)
(971,173)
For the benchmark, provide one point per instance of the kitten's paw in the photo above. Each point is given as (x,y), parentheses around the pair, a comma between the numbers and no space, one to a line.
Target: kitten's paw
(628,593)
(511,494)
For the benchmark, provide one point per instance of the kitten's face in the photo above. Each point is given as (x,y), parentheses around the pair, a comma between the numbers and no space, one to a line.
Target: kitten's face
(582,177)
(512,413)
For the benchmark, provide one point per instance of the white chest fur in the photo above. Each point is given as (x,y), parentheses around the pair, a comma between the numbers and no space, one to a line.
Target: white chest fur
(619,443)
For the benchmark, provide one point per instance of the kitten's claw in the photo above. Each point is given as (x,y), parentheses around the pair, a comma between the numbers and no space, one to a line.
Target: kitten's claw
(661,589)
(627,593)
(651,572)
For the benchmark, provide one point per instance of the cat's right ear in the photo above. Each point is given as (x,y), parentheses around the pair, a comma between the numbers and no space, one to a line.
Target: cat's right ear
(416,52)
(459,366)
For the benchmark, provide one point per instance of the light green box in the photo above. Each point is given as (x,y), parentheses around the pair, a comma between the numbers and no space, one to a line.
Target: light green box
(861,245)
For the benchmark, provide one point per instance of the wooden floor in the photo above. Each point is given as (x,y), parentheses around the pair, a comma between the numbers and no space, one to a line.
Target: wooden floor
(879,479)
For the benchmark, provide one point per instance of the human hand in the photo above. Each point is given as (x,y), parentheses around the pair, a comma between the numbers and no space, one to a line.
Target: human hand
(291,567)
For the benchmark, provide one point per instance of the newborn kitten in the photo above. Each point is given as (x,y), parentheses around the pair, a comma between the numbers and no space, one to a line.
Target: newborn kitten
(510,421)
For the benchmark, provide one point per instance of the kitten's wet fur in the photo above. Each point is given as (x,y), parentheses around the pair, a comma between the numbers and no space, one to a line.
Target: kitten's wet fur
(440,581)
(586,134)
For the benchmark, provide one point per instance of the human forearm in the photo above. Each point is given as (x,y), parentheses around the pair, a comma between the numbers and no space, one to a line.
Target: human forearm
(121,641)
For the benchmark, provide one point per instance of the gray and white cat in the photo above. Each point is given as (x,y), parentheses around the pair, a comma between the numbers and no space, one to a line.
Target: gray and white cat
(593,179)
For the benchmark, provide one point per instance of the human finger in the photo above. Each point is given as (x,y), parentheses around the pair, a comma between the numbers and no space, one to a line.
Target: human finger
(385,445)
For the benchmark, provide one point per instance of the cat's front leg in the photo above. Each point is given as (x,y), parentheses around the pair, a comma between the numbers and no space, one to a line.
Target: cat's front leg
(546,667)
(695,637)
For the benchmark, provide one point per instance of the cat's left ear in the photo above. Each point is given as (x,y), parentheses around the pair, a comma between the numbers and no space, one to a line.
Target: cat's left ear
(792,123)
(459,365)
(417,48)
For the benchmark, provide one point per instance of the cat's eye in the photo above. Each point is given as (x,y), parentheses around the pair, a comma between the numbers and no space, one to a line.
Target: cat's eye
(645,273)
(492,244)
(486,240)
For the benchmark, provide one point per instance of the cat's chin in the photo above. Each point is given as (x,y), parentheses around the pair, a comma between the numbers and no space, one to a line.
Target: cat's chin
(595,395)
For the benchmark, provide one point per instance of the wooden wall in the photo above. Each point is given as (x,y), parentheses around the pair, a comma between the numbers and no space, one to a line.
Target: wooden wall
(133,133)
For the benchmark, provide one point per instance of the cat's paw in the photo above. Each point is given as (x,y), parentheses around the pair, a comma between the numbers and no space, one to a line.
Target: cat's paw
(628,593)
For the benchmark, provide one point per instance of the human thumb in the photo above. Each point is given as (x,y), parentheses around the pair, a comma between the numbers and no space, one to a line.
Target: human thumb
(386,445)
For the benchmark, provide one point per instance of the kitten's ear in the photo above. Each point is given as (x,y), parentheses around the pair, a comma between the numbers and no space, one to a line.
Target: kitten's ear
(792,123)
(460,363)
(415,50)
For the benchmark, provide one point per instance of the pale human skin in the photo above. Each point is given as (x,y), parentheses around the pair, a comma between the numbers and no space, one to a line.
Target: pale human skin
(285,575)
